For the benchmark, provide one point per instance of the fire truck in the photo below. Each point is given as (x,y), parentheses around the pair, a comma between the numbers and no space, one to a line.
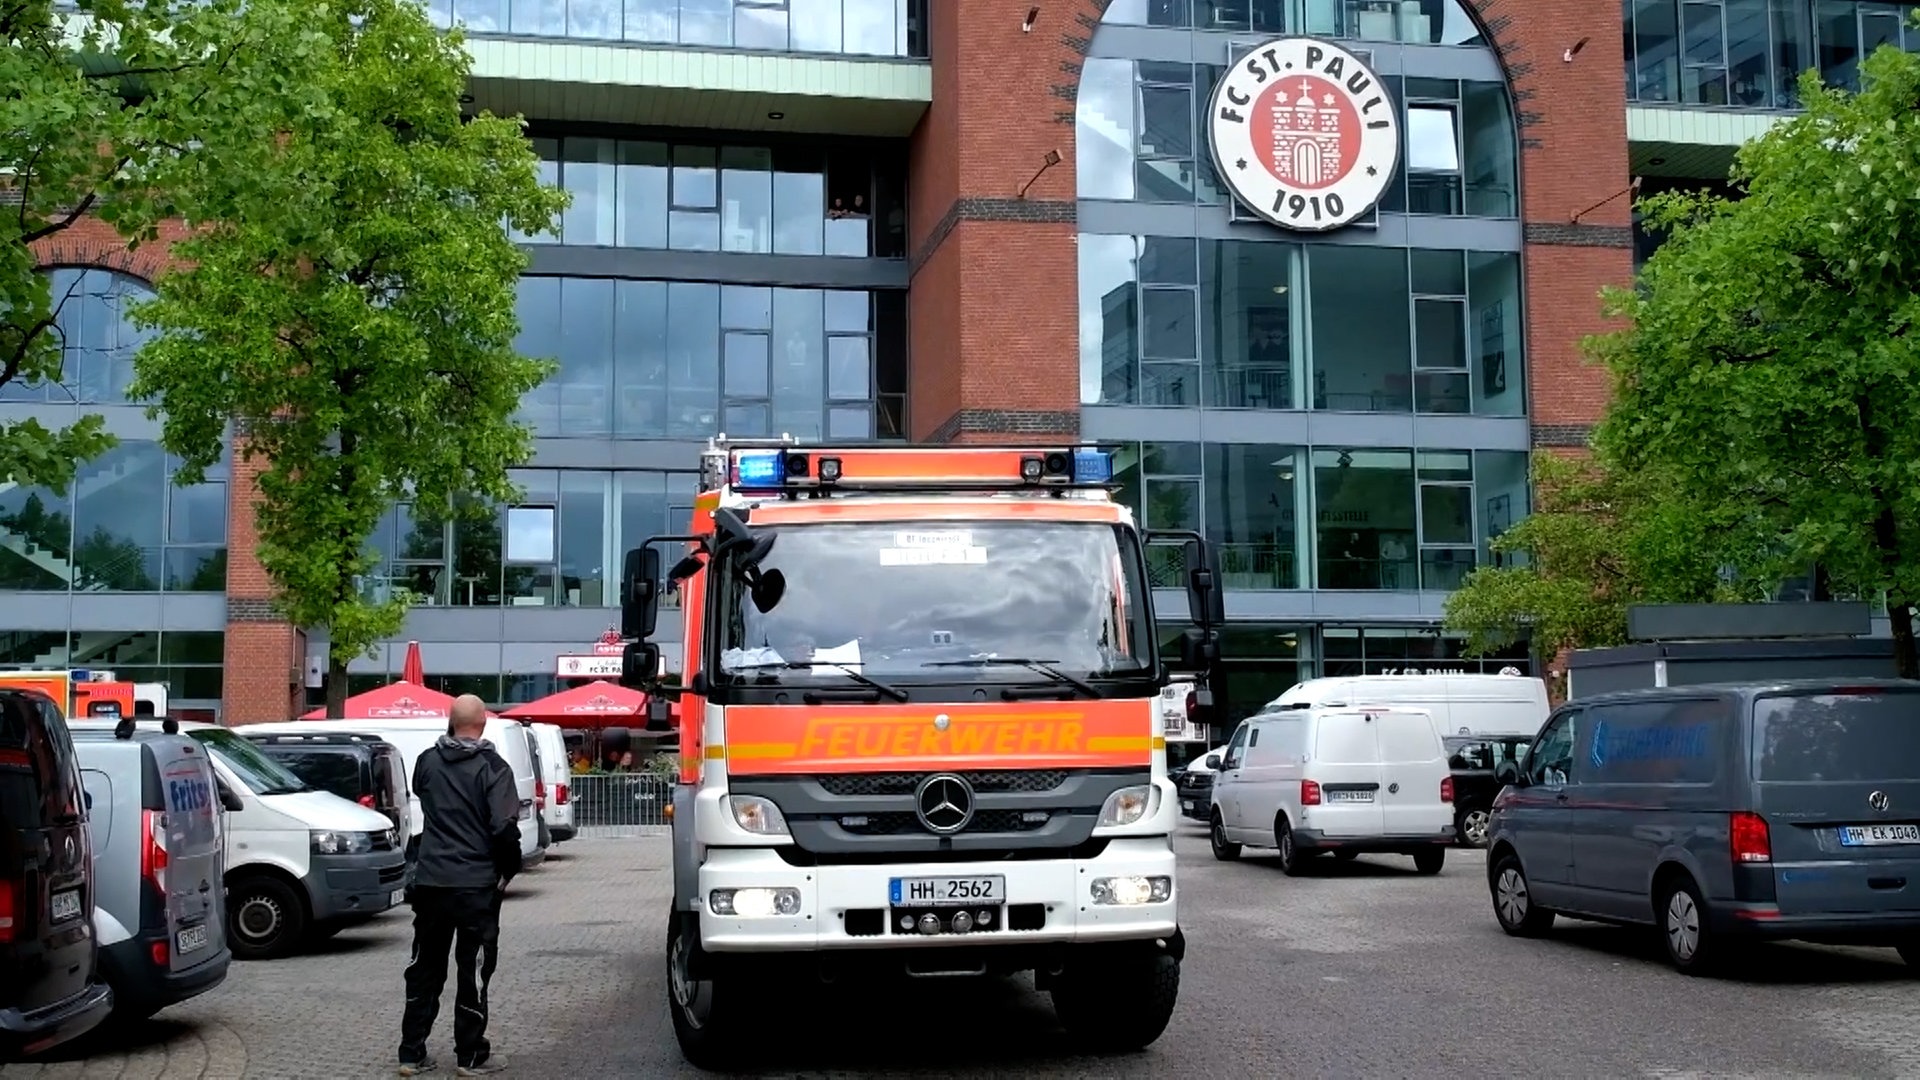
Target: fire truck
(82,692)
(920,732)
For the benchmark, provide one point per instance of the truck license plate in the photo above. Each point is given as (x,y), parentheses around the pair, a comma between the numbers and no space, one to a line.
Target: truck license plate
(1349,796)
(1875,835)
(191,938)
(948,891)
(65,905)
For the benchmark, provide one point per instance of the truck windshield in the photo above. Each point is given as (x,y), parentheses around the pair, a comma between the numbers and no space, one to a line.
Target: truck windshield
(891,599)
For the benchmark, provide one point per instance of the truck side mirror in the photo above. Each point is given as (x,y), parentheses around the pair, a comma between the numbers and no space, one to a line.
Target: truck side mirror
(659,714)
(1206,601)
(1199,651)
(640,593)
(639,664)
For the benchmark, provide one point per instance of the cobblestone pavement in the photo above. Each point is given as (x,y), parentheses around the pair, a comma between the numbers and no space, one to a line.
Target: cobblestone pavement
(1359,969)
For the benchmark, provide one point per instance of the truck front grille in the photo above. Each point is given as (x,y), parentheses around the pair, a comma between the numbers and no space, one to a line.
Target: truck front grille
(985,781)
(899,822)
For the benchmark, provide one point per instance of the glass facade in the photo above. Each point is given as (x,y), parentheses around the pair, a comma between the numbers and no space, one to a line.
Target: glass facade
(806,199)
(122,526)
(1411,22)
(99,340)
(686,359)
(1751,53)
(849,27)
(1141,137)
(1259,324)
(189,662)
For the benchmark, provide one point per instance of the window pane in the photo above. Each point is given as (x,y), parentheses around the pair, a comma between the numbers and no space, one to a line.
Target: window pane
(599,19)
(1441,333)
(1792,49)
(1167,260)
(1104,127)
(871,27)
(816,25)
(756,27)
(1167,324)
(746,191)
(643,510)
(584,382)
(1166,122)
(1169,384)
(706,22)
(530,534)
(1500,483)
(1441,392)
(640,368)
(693,358)
(589,170)
(1432,144)
(537,305)
(1366,534)
(850,422)
(1439,273)
(1109,320)
(198,515)
(1493,284)
(1446,514)
(745,307)
(118,520)
(642,187)
(583,539)
(746,365)
(1252,513)
(1360,365)
(1171,458)
(848,312)
(799,202)
(1247,327)
(652,20)
(1172,504)
(746,421)
(537,18)
(1839,37)
(799,362)
(1703,42)
(1491,169)
(1747,76)
(849,368)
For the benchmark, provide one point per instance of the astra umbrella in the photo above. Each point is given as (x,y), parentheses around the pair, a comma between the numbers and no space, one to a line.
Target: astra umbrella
(595,705)
(413,670)
(401,700)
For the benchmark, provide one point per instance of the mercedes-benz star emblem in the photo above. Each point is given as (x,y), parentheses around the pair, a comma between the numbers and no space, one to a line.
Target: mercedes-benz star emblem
(944,803)
(1878,800)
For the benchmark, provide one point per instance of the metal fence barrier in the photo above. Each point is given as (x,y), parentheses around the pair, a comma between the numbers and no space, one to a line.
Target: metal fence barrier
(619,804)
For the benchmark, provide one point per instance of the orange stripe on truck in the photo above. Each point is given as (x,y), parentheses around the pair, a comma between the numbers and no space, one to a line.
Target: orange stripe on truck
(784,739)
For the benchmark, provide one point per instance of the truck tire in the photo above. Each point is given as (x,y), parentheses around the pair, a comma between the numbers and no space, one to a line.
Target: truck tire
(1118,1005)
(702,1009)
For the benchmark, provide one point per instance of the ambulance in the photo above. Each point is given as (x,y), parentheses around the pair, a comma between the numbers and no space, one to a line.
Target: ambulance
(921,733)
(79,692)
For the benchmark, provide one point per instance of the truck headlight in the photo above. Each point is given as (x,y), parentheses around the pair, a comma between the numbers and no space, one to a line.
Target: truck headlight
(1129,805)
(1128,891)
(329,842)
(754,903)
(758,815)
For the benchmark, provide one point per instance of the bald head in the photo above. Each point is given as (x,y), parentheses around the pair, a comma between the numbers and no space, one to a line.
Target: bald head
(468,719)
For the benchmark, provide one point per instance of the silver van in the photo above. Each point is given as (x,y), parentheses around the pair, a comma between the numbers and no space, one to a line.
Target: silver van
(1783,810)
(159,867)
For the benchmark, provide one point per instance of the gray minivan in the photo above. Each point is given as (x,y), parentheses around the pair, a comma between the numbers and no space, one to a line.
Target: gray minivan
(159,867)
(1785,810)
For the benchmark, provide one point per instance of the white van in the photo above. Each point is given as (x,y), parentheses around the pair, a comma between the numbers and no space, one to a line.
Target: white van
(1344,780)
(301,863)
(558,774)
(1484,705)
(415,735)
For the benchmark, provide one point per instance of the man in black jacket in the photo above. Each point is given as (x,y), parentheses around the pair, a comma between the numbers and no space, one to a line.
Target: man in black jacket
(467,851)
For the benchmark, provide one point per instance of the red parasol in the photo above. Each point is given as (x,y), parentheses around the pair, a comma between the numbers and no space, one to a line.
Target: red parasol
(401,700)
(594,705)
(413,670)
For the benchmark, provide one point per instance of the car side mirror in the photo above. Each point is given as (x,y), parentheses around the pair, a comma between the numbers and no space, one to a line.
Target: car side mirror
(230,801)
(1213,762)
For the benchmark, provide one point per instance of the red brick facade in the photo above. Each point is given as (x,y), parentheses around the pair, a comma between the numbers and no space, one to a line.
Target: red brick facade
(994,297)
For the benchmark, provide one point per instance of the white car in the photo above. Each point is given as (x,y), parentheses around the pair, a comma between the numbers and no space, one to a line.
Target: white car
(1344,780)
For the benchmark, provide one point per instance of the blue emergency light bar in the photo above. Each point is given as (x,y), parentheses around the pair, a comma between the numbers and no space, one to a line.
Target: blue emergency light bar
(998,469)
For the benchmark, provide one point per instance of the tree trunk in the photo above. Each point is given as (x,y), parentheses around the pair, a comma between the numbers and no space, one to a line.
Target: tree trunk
(336,685)
(1906,660)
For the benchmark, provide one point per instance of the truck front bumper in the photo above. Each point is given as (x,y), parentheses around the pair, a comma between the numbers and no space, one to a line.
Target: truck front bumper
(848,907)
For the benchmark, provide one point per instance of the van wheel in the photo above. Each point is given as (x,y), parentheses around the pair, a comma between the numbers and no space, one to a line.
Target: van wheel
(1118,1005)
(1910,952)
(1429,860)
(1223,849)
(1471,827)
(1293,861)
(1513,900)
(266,919)
(1691,944)
(703,1009)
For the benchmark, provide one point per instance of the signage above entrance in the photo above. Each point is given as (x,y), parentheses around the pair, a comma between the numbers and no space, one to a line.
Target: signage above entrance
(1304,134)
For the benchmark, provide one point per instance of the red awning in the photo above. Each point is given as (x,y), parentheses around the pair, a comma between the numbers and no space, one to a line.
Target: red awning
(595,705)
(396,701)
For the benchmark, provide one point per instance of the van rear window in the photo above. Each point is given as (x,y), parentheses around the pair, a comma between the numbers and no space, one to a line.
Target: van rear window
(1854,736)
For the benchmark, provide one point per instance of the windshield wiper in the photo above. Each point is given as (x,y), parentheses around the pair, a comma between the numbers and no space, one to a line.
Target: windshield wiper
(848,670)
(1044,667)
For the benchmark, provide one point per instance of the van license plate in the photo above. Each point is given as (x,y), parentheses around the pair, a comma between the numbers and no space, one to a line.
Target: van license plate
(1875,835)
(1349,796)
(65,905)
(399,897)
(191,938)
(1186,804)
(947,891)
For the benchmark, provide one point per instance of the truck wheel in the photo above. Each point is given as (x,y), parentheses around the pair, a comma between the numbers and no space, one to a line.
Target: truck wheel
(266,919)
(701,1008)
(1119,1005)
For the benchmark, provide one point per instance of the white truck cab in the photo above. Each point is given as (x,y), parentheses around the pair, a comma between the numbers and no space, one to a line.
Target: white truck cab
(300,863)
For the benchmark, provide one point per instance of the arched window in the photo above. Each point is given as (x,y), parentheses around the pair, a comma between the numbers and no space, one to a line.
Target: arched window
(98,339)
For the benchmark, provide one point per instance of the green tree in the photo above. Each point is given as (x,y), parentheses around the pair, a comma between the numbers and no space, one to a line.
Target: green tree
(1770,366)
(351,308)
(102,103)
(1600,538)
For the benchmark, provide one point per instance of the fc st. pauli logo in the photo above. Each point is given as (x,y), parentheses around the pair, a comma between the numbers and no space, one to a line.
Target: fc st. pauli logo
(1303,134)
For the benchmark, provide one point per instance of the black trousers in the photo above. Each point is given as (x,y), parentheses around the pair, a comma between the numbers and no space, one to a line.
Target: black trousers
(468,922)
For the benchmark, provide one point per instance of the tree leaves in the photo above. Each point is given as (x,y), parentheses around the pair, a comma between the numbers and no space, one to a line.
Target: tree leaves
(351,306)
(1770,368)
